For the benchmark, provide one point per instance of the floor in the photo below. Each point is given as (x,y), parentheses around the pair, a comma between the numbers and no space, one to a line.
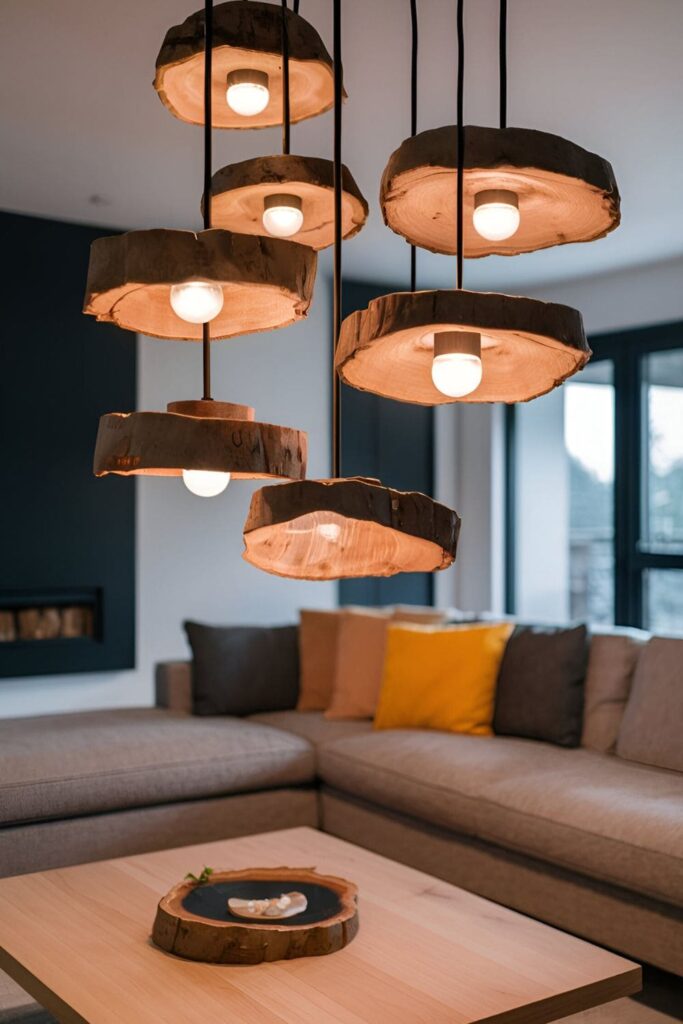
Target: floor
(660,1002)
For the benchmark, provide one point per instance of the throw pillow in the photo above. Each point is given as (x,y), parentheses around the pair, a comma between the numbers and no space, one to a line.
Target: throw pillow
(540,686)
(441,678)
(318,656)
(611,664)
(652,727)
(240,670)
(361,644)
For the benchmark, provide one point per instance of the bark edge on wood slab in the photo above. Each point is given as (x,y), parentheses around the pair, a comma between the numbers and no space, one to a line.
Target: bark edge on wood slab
(186,935)
(565,193)
(166,443)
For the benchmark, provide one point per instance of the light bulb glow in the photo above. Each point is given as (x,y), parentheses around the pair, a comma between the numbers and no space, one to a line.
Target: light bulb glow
(196,302)
(282,215)
(248,93)
(456,374)
(205,483)
(329,531)
(496,214)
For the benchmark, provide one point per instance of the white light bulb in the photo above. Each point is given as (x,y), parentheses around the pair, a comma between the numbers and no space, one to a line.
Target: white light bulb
(496,214)
(329,531)
(248,93)
(282,215)
(205,483)
(456,374)
(196,302)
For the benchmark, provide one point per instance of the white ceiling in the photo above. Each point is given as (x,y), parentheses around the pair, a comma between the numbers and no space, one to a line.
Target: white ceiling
(85,138)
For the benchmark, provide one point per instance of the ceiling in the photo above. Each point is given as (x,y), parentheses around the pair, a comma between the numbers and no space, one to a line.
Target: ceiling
(85,138)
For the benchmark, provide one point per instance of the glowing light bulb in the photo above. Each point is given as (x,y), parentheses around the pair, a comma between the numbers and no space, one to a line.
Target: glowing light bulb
(196,302)
(456,367)
(247,93)
(496,214)
(329,531)
(205,483)
(282,215)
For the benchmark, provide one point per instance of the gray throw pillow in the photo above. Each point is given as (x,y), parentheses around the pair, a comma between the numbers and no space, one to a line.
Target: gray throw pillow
(540,685)
(652,727)
(241,670)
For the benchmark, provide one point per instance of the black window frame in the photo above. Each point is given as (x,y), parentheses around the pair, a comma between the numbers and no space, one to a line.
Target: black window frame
(632,559)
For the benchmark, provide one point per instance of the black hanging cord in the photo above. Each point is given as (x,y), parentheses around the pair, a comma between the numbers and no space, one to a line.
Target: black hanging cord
(285,81)
(337,301)
(460,141)
(502,47)
(296,6)
(208,118)
(413,120)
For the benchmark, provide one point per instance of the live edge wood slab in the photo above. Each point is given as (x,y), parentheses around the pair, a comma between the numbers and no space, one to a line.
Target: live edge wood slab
(528,347)
(246,35)
(186,934)
(239,191)
(565,193)
(267,282)
(345,528)
(78,940)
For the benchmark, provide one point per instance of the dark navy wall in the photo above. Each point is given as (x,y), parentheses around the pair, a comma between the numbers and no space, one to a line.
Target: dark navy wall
(393,441)
(62,532)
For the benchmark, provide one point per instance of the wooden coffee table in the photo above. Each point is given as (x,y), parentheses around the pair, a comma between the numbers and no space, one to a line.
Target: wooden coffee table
(77,939)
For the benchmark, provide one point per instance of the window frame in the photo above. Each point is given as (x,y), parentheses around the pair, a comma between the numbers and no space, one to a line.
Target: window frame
(625,348)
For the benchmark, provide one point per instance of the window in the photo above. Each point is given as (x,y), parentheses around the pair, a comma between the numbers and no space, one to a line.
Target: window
(595,489)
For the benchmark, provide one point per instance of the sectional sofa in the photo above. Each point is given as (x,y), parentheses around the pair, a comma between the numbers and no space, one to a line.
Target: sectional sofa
(582,838)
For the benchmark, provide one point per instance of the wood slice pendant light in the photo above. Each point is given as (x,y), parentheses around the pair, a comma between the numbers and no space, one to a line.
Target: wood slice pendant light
(287,195)
(436,347)
(260,284)
(562,192)
(341,528)
(523,190)
(241,193)
(248,86)
(204,441)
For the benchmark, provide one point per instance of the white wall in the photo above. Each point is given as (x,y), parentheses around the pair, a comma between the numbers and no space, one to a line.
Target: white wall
(469,462)
(189,562)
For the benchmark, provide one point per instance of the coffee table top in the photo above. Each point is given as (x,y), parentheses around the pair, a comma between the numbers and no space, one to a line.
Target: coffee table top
(77,939)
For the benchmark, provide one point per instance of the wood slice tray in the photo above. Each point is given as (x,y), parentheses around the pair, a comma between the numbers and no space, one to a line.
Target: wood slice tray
(193,920)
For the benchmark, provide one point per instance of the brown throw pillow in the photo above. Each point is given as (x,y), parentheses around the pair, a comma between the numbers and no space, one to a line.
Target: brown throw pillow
(540,685)
(611,665)
(317,658)
(361,644)
(652,727)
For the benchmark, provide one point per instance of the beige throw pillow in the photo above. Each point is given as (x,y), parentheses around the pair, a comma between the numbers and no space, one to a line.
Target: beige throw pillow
(317,658)
(652,727)
(361,643)
(611,663)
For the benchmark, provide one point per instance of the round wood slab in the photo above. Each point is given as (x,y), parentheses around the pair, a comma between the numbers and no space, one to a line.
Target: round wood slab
(166,443)
(246,35)
(267,282)
(193,920)
(344,528)
(566,194)
(239,190)
(528,347)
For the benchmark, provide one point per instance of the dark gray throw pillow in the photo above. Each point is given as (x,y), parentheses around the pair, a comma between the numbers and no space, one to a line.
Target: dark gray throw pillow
(540,684)
(241,670)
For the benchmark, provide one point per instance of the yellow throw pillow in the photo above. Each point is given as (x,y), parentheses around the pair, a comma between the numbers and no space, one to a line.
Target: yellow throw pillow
(441,678)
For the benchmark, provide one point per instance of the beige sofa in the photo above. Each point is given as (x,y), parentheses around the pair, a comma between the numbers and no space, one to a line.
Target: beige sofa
(581,838)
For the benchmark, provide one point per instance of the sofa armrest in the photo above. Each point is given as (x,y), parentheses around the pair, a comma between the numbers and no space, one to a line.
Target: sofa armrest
(173,685)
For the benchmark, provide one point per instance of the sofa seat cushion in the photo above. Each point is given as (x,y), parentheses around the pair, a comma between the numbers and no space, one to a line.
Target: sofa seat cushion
(313,726)
(588,812)
(61,766)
